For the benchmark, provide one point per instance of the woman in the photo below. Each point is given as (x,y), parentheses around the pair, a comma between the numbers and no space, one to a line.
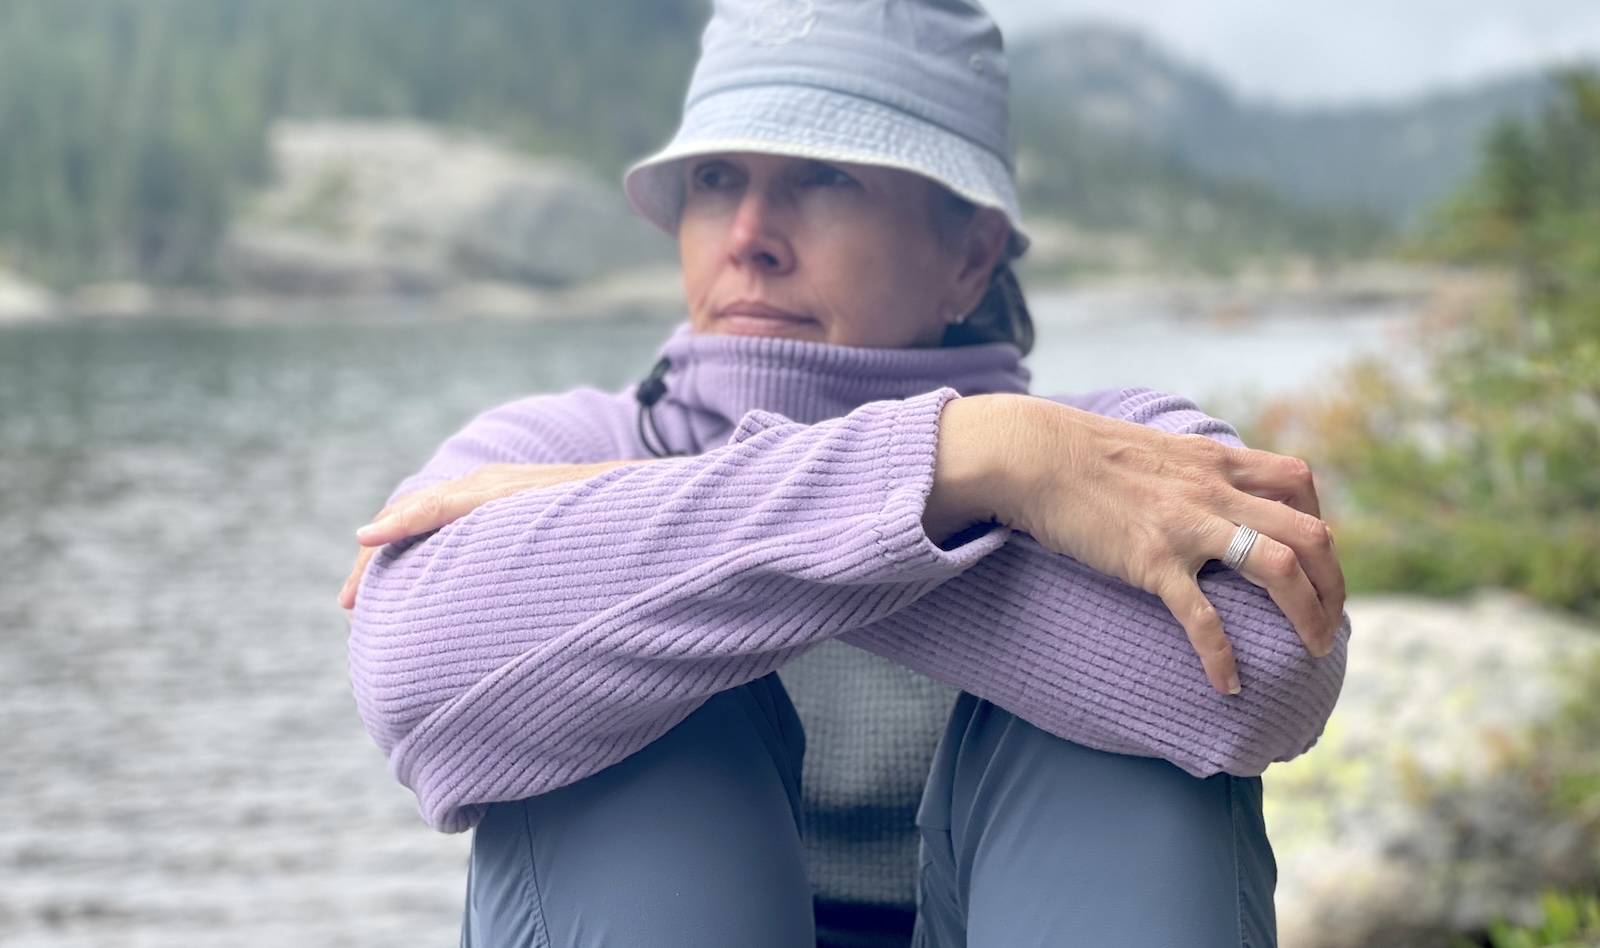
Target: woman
(570,639)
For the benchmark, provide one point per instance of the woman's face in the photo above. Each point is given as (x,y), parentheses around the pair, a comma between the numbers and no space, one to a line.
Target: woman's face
(827,252)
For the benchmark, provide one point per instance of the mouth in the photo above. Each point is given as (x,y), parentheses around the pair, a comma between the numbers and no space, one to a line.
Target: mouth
(753,318)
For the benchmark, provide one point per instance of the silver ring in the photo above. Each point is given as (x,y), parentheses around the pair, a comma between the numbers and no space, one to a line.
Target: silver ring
(1243,539)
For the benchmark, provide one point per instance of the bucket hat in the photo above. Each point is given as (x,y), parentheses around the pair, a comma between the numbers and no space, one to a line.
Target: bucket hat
(917,85)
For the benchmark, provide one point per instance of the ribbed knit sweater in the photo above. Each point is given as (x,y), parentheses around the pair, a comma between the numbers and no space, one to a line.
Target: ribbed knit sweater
(550,634)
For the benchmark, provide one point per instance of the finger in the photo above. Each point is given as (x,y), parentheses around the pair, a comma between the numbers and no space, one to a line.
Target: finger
(347,593)
(1314,553)
(383,514)
(1276,477)
(1275,568)
(1204,627)
(1312,543)
(422,512)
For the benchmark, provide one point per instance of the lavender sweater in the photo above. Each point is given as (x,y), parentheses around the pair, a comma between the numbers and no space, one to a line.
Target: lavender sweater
(552,633)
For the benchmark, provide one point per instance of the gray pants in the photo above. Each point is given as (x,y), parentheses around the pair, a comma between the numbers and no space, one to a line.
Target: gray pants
(1027,840)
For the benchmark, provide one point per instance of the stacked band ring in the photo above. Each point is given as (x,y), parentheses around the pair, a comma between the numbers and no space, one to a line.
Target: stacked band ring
(1243,539)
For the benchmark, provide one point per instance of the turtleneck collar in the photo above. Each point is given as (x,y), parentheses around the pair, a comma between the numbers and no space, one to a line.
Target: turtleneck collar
(714,380)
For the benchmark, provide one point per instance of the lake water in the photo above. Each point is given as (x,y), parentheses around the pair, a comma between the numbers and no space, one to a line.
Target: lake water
(182,761)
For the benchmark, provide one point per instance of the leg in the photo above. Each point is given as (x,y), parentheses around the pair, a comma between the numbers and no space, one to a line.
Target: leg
(1029,840)
(693,841)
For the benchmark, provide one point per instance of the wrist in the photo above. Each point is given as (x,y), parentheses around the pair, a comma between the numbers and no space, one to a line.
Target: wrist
(975,477)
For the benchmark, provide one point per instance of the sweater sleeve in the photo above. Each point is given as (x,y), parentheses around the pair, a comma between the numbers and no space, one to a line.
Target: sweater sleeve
(1093,660)
(554,632)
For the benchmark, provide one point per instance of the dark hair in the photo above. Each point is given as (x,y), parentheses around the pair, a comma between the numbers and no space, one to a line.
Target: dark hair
(1002,315)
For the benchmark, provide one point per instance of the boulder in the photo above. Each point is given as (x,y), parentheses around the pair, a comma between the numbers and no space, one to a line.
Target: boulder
(1433,804)
(22,300)
(283,262)
(117,298)
(553,227)
(362,207)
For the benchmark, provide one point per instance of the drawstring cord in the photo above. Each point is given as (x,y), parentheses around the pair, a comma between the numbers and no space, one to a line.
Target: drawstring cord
(648,393)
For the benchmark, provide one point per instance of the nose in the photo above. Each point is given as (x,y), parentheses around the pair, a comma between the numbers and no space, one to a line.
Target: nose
(759,238)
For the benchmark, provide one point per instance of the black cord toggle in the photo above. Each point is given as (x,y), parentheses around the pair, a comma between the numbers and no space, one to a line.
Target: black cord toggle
(648,393)
(654,386)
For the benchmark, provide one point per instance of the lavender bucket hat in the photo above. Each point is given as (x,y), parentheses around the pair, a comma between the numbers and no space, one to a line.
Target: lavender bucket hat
(917,85)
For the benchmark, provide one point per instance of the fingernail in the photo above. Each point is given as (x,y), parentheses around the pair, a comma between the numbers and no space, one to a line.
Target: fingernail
(369,531)
(1233,684)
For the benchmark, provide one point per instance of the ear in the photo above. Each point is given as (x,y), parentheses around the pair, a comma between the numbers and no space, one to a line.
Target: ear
(987,235)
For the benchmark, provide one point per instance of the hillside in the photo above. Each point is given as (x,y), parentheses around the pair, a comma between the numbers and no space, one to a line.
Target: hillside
(132,132)
(1393,160)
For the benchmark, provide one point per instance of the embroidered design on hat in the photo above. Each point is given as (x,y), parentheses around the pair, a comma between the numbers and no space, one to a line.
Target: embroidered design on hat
(778,22)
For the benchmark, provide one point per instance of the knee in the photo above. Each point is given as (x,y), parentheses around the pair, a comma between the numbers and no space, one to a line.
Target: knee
(1057,834)
(700,824)
(993,761)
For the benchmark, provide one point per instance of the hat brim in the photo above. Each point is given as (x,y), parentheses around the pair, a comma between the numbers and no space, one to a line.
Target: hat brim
(811,122)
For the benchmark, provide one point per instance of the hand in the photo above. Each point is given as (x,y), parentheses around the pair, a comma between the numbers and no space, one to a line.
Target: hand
(1147,507)
(430,508)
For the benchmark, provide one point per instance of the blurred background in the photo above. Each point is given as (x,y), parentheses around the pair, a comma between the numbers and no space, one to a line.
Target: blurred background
(258,257)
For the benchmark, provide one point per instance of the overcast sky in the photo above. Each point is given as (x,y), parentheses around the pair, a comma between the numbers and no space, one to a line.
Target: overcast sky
(1304,51)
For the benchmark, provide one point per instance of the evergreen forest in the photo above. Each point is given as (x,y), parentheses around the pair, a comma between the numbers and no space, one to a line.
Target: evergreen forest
(132,130)
(129,129)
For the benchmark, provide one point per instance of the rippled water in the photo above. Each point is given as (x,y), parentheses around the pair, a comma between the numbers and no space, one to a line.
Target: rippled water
(182,761)
(182,764)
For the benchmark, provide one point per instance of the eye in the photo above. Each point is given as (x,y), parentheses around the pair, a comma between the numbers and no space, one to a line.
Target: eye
(714,176)
(827,176)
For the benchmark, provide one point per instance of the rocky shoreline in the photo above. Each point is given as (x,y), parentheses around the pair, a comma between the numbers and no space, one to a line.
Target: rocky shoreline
(648,294)
(655,292)
(367,217)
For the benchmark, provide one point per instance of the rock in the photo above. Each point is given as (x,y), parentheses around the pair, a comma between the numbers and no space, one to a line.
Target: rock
(384,207)
(21,300)
(496,300)
(651,291)
(646,292)
(552,227)
(1426,809)
(289,263)
(123,298)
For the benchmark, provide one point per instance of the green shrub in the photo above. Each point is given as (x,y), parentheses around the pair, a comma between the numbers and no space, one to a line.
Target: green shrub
(1570,921)
(1485,471)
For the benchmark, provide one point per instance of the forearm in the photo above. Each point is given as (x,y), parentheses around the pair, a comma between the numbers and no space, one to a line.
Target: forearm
(1093,660)
(551,633)
(1083,655)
